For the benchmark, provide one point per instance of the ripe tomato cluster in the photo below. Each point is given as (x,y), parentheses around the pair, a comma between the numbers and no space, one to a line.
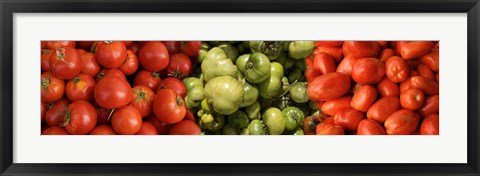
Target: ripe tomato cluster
(116,87)
(374,87)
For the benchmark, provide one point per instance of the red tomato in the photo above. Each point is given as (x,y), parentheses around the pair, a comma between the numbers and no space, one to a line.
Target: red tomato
(146,78)
(360,48)
(431,60)
(328,43)
(103,130)
(52,88)
(179,66)
(153,56)
(382,43)
(112,92)
(127,43)
(189,115)
(412,99)
(168,106)
(329,129)
(430,125)
(363,98)
(80,88)
(87,45)
(425,71)
(388,88)
(174,84)
(334,106)
(103,115)
(381,109)
(53,45)
(328,86)
(55,131)
(110,72)
(172,46)
(414,49)
(370,127)
(437,77)
(65,63)
(309,126)
(396,69)
(45,64)
(348,119)
(54,114)
(368,71)
(80,118)
(90,65)
(335,52)
(185,127)
(162,127)
(111,54)
(43,110)
(429,87)
(311,74)
(126,120)
(190,48)
(406,84)
(402,122)
(324,63)
(130,65)
(386,54)
(142,99)
(134,47)
(346,65)
(431,106)
(147,129)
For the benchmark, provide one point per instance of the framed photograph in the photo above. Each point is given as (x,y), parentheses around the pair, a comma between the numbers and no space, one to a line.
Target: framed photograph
(239,87)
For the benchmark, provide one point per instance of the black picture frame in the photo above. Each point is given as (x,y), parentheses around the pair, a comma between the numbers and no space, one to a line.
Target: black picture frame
(9,7)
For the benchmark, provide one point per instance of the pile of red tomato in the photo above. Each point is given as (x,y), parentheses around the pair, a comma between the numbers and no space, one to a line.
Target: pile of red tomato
(374,87)
(116,87)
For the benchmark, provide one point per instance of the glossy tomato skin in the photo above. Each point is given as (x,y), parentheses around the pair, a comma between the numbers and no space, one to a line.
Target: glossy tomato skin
(103,130)
(406,84)
(370,127)
(387,88)
(412,99)
(414,49)
(324,63)
(110,72)
(335,52)
(348,119)
(65,63)
(383,108)
(334,106)
(54,114)
(126,120)
(111,54)
(346,65)
(430,125)
(130,65)
(80,88)
(179,66)
(147,129)
(134,47)
(57,44)
(328,86)
(360,48)
(363,98)
(368,71)
(142,99)
(329,129)
(146,78)
(397,69)
(55,131)
(309,126)
(112,92)
(386,54)
(431,60)
(153,56)
(425,71)
(431,106)
(328,43)
(162,127)
(172,46)
(52,88)
(81,118)
(402,122)
(90,65)
(311,74)
(429,87)
(190,48)
(45,62)
(168,106)
(174,84)
(185,127)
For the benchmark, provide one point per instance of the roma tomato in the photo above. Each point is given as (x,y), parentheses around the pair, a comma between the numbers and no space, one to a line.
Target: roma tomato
(429,87)
(112,92)
(162,127)
(425,71)
(179,66)
(168,106)
(324,63)
(52,88)
(368,71)
(329,129)
(412,99)
(363,98)
(146,78)
(387,88)
(348,119)
(172,46)
(54,114)
(370,127)
(185,127)
(386,54)
(402,122)
(190,48)
(142,99)
(53,45)
(328,86)
(126,120)
(153,56)
(103,130)
(430,125)
(360,48)
(90,65)
(80,118)
(431,60)
(110,72)
(328,43)
(80,88)
(414,49)
(334,106)
(174,84)
(383,108)
(397,69)
(147,129)
(65,63)
(335,52)
(45,62)
(346,65)
(111,54)
(130,65)
(311,74)
(431,106)
(55,131)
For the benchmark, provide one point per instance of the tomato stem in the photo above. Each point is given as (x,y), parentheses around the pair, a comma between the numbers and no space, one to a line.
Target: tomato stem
(110,114)
(179,100)
(45,83)
(108,42)
(61,55)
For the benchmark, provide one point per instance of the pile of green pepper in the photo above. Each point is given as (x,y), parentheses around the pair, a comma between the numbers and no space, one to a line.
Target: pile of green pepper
(250,87)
